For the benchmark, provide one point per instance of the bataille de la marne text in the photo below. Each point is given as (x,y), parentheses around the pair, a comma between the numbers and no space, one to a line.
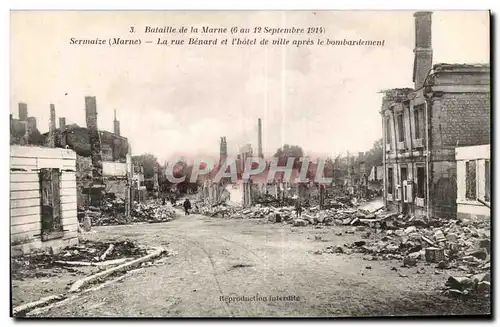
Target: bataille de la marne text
(193,40)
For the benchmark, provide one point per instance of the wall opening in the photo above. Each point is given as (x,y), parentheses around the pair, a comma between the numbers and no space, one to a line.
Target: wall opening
(421,182)
(50,188)
(390,181)
(470,180)
(401,128)
(487,186)
(418,114)
(388,130)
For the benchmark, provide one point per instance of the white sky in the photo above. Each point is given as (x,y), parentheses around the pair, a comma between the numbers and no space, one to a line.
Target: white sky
(182,100)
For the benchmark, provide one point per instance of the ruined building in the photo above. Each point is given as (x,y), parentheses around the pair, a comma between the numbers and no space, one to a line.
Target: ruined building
(23,131)
(448,107)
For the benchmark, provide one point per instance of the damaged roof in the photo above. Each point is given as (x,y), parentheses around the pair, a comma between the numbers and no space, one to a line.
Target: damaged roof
(459,68)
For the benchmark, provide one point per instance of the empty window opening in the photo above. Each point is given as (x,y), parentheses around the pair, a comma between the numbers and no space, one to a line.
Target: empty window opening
(401,128)
(390,180)
(421,182)
(470,180)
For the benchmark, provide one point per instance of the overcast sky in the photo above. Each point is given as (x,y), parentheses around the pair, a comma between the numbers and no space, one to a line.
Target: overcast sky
(181,100)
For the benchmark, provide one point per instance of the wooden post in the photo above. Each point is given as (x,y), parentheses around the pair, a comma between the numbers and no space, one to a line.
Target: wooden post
(321,196)
(128,196)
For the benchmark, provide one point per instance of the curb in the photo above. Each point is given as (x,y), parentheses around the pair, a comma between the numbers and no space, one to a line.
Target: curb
(32,305)
(46,308)
(81,282)
(63,298)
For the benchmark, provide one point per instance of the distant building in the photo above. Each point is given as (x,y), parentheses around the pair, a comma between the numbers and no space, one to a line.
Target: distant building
(23,131)
(448,107)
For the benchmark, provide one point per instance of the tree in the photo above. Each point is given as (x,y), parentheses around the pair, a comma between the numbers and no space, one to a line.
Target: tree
(148,161)
(374,156)
(289,151)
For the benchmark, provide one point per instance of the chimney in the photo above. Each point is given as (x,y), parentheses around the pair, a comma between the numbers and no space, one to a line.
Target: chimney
(223,150)
(62,123)
(423,47)
(116,126)
(259,144)
(95,142)
(52,127)
(23,111)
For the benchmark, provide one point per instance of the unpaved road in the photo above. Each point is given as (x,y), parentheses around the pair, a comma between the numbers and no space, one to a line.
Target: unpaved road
(233,257)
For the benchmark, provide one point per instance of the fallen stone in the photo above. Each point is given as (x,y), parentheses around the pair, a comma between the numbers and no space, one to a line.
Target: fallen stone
(338,249)
(434,255)
(483,277)
(455,292)
(415,255)
(409,262)
(365,235)
(443,265)
(368,267)
(459,283)
(428,241)
(480,254)
(486,244)
(410,229)
(299,222)
(484,287)
(359,243)
(439,236)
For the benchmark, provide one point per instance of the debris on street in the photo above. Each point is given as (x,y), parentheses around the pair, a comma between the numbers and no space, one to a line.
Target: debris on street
(85,253)
(152,211)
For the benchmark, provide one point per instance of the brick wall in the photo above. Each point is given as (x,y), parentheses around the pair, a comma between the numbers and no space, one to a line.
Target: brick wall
(461,119)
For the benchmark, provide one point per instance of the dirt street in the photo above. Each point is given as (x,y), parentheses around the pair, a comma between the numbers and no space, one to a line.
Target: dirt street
(272,265)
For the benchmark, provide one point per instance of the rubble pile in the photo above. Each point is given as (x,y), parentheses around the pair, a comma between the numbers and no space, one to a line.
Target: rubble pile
(111,205)
(99,251)
(152,212)
(213,210)
(452,241)
(477,284)
(85,252)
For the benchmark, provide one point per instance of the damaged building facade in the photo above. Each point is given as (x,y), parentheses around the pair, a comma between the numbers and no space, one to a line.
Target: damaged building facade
(43,209)
(101,156)
(448,107)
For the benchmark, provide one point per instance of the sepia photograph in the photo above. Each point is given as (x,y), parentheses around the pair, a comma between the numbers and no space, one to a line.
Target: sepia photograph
(250,164)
